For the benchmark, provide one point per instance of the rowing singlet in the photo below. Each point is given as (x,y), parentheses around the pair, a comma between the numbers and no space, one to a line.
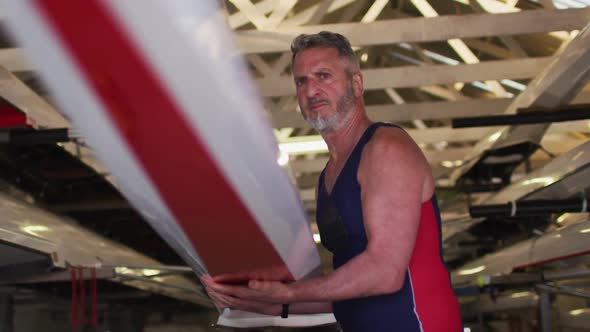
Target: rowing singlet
(426,301)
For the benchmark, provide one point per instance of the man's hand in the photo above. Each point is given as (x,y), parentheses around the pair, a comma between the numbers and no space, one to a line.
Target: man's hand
(225,301)
(273,292)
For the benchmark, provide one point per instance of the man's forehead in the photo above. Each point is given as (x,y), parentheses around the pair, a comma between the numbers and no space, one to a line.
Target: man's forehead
(314,58)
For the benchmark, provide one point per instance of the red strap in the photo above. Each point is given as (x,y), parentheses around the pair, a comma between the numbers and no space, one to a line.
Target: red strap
(94,301)
(82,296)
(74,308)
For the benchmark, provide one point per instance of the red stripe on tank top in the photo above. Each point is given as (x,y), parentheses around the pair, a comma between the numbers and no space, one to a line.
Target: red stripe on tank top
(435,303)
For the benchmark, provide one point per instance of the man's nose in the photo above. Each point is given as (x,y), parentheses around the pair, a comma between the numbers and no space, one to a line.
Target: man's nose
(311,89)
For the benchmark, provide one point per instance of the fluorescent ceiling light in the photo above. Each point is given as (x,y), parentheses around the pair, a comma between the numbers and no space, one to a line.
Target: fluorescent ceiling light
(307,144)
(545,180)
(150,272)
(562,217)
(451,163)
(283,158)
(472,271)
(513,84)
(407,59)
(494,137)
(580,311)
(405,45)
(520,294)
(316,238)
(482,86)
(441,58)
(123,270)
(570,4)
(33,229)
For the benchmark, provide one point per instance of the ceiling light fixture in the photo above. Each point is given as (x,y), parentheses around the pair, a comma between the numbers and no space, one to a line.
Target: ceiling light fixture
(308,144)
(472,271)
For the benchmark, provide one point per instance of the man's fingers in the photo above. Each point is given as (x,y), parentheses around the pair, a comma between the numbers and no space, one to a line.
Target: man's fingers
(206,280)
(255,291)
(235,291)
(221,288)
(255,284)
(229,301)
(224,301)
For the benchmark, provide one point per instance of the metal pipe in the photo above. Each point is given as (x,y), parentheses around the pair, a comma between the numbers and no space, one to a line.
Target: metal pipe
(545,309)
(564,290)
(33,137)
(528,116)
(518,278)
(152,281)
(566,274)
(529,208)
(7,313)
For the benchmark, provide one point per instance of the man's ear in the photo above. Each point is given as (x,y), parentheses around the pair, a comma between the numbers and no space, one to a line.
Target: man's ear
(357,84)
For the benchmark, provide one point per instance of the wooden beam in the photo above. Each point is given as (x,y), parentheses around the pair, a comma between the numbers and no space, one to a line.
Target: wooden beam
(489,48)
(313,14)
(424,111)
(423,29)
(317,164)
(320,11)
(252,12)
(448,134)
(239,18)
(414,76)
(279,13)
(13,59)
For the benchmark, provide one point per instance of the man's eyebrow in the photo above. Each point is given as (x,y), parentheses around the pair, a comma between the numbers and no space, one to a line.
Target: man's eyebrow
(321,69)
(313,72)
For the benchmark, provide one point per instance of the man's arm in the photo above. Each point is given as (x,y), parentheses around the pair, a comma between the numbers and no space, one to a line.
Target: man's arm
(392,176)
(223,301)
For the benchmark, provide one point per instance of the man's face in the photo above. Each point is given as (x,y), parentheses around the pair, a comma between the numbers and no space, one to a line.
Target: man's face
(324,90)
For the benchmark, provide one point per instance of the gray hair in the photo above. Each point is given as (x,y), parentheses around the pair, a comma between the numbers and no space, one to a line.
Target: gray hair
(328,40)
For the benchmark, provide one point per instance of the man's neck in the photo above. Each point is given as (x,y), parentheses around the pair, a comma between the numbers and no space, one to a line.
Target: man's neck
(342,140)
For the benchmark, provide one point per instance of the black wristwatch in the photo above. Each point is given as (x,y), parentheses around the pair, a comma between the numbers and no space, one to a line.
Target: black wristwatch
(285,312)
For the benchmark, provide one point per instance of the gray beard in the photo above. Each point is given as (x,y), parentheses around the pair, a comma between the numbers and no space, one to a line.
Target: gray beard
(336,120)
(324,123)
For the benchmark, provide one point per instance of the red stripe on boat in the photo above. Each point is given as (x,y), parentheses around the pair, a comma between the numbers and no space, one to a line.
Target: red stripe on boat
(209,211)
(10,117)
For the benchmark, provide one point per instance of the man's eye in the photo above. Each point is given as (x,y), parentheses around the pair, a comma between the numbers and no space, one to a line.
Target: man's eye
(324,75)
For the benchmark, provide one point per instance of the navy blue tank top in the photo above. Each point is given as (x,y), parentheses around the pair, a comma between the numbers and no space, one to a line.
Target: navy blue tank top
(420,304)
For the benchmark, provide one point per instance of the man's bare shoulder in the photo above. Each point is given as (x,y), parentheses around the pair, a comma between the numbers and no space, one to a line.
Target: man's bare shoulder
(393,142)
(392,155)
